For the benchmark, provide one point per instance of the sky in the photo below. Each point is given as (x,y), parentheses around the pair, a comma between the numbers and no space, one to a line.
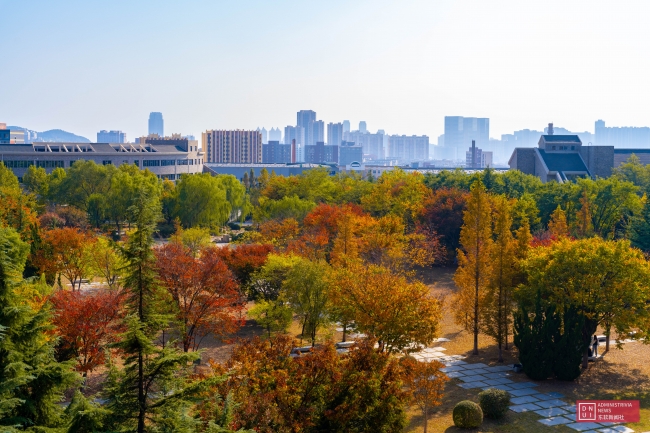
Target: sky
(401,66)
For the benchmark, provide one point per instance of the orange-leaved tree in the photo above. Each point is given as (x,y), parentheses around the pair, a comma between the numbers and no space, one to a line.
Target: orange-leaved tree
(86,323)
(63,252)
(385,305)
(206,297)
(425,383)
(474,271)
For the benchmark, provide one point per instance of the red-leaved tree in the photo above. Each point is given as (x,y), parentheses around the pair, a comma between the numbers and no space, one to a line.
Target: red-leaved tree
(86,323)
(243,260)
(205,293)
(63,253)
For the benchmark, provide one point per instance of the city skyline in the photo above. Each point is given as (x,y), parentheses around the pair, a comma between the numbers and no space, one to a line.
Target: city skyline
(472,59)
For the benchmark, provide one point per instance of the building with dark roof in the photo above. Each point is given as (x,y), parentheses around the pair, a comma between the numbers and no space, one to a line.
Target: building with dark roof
(562,158)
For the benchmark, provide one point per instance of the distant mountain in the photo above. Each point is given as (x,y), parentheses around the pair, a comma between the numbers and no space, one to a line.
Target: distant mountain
(51,136)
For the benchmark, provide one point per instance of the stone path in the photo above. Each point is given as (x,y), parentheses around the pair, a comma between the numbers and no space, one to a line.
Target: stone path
(524,398)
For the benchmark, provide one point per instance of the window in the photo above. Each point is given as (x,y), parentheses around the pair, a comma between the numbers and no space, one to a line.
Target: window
(151,163)
(553,148)
(183,162)
(167,162)
(107,162)
(18,164)
(49,164)
(137,163)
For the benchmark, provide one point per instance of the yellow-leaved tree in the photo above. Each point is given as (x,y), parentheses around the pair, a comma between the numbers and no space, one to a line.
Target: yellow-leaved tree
(474,272)
(497,310)
(557,226)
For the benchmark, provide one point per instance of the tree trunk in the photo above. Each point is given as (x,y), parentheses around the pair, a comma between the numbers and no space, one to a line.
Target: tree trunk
(608,331)
(500,353)
(426,418)
(141,396)
(345,330)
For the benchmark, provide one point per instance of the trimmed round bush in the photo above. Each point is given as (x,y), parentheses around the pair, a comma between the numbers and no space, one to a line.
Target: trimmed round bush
(494,402)
(467,414)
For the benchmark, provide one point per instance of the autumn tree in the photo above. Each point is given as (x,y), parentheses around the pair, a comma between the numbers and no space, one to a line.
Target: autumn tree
(105,261)
(606,281)
(274,393)
(308,294)
(385,305)
(201,201)
(206,297)
(640,228)
(244,259)
(442,213)
(426,384)
(498,304)
(86,323)
(63,253)
(557,226)
(475,268)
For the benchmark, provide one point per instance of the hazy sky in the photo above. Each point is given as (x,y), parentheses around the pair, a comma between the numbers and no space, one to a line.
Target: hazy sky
(400,65)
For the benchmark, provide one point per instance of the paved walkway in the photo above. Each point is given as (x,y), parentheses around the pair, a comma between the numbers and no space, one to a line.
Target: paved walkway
(551,407)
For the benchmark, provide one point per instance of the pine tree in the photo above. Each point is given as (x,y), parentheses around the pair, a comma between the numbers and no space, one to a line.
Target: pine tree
(557,226)
(32,382)
(568,344)
(474,261)
(152,377)
(534,339)
(497,312)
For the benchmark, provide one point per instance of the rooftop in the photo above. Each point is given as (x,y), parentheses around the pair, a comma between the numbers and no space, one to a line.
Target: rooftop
(561,138)
(563,162)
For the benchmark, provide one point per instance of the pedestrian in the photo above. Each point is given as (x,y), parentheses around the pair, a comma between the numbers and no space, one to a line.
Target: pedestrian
(594,346)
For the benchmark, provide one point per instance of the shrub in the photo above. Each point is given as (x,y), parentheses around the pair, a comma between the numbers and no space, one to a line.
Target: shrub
(234,226)
(467,414)
(494,402)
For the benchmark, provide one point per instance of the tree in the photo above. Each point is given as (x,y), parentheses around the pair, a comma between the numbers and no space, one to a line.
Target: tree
(497,311)
(8,180)
(426,383)
(307,292)
(86,323)
(195,239)
(272,316)
(236,195)
(142,388)
(284,208)
(606,281)
(534,339)
(36,182)
(640,229)
(63,253)
(475,269)
(32,382)
(398,193)
(568,344)
(105,261)
(557,226)
(206,297)
(79,182)
(201,201)
(244,260)
(442,212)
(385,305)
(272,393)
(126,181)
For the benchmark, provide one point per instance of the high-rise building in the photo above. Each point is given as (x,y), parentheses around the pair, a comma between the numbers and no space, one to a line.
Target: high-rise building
(17,136)
(346,126)
(334,134)
(459,133)
(111,137)
(276,153)
(481,158)
(233,146)
(373,144)
(275,135)
(294,133)
(408,149)
(320,153)
(314,129)
(362,127)
(265,137)
(626,136)
(349,153)
(156,124)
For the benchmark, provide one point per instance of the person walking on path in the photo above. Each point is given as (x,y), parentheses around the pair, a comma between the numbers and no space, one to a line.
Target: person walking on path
(594,346)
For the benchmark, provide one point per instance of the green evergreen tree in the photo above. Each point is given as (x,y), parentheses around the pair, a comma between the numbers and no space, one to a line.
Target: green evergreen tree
(534,340)
(141,394)
(569,345)
(32,382)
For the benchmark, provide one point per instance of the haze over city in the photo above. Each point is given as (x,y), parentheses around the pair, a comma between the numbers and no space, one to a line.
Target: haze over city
(400,66)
